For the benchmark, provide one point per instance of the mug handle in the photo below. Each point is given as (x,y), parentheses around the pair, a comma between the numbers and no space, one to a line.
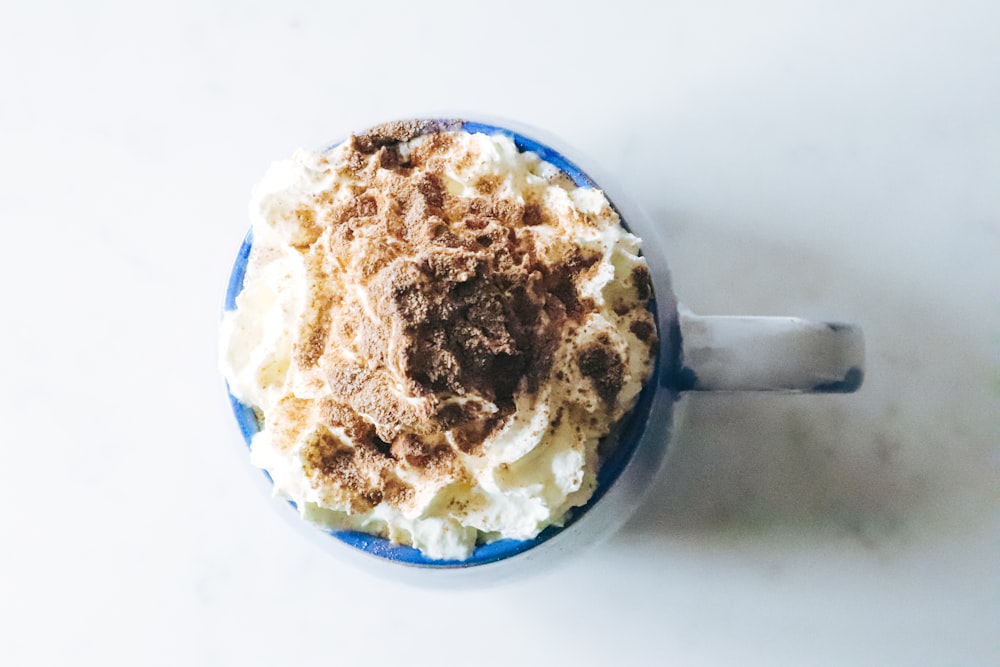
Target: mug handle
(784,354)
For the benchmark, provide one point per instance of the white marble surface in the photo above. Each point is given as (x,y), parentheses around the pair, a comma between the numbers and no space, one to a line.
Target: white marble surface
(821,159)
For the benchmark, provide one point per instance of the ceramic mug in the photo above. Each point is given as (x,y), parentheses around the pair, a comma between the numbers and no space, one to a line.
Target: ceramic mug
(696,353)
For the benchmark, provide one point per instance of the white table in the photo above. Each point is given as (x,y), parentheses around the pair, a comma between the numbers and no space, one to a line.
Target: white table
(840,160)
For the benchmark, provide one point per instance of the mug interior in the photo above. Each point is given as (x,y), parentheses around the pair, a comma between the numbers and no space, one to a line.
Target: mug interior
(627,432)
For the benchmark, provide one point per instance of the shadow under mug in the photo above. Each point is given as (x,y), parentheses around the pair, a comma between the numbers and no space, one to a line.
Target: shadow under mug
(695,353)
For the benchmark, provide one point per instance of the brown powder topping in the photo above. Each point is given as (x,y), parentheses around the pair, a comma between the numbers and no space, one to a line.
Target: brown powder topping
(642,282)
(643,329)
(601,363)
(355,471)
(430,311)
(396,132)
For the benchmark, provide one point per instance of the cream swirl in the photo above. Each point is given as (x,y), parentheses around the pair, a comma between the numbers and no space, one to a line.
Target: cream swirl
(437,332)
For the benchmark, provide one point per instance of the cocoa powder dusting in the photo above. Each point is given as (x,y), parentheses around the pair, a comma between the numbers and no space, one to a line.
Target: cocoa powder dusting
(460,310)
(642,329)
(395,132)
(642,282)
(601,363)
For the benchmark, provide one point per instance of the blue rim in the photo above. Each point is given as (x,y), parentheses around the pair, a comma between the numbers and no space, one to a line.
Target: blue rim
(628,431)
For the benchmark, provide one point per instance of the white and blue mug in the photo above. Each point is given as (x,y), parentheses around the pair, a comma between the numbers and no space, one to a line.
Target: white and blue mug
(782,354)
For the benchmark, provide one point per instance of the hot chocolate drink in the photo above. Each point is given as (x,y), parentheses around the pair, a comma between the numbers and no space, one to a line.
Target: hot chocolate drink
(436,330)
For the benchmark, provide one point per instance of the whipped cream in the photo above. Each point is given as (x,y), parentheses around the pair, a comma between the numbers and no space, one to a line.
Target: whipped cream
(436,332)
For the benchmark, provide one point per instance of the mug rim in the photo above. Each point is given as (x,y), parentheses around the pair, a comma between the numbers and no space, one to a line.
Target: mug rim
(629,430)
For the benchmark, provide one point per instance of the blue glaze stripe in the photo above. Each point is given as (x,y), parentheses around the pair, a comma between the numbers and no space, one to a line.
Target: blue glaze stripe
(239,271)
